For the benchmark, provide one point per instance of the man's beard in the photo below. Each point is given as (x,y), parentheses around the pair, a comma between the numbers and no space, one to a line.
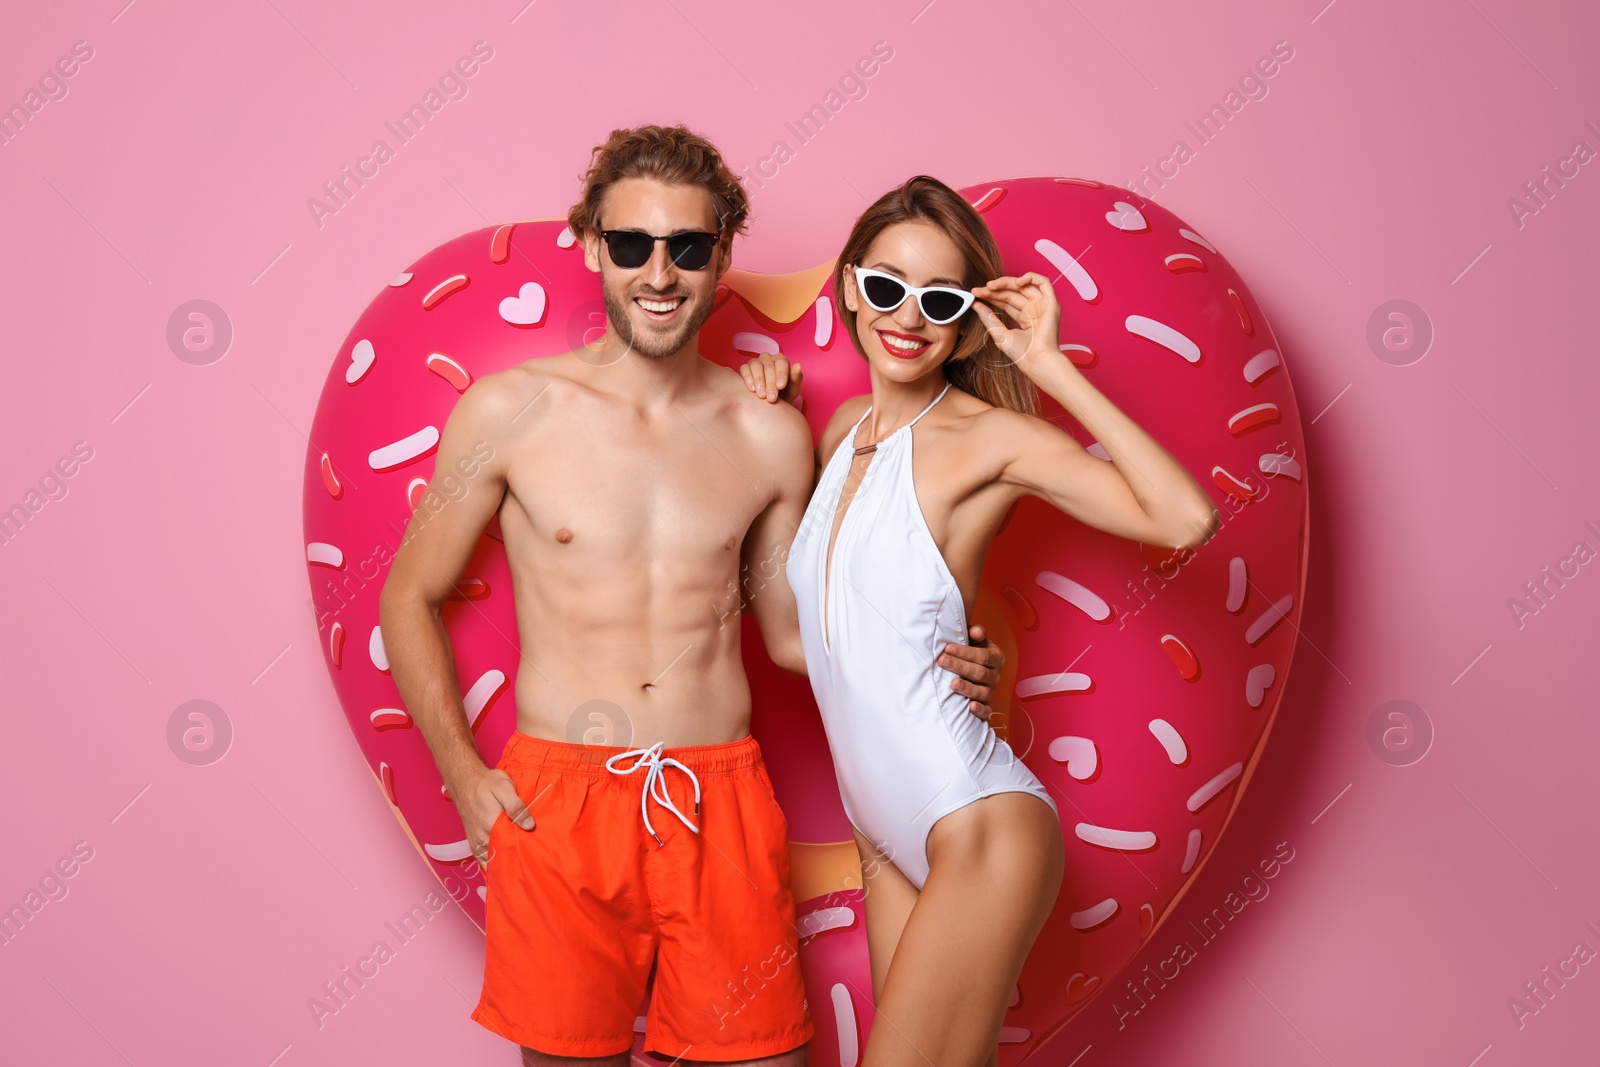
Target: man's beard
(653,345)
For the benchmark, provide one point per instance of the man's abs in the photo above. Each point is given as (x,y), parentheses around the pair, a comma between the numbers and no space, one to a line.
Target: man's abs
(613,654)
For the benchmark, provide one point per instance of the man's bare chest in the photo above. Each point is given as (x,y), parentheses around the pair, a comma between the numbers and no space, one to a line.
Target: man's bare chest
(634,498)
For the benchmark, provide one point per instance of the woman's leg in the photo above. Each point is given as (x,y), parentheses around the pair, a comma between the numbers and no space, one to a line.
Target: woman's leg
(995,871)
(888,899)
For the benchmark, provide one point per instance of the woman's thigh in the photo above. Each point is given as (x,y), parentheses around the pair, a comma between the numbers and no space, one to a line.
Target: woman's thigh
(888,898)
(995,871)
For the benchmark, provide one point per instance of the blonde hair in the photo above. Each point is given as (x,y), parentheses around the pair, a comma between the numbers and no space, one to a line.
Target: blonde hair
(672,154)
(975,366)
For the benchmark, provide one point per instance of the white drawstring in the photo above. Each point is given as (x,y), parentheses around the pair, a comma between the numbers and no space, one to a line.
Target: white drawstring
(651,758)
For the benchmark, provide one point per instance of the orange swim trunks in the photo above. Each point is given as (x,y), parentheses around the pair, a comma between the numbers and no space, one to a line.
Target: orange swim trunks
(658,868)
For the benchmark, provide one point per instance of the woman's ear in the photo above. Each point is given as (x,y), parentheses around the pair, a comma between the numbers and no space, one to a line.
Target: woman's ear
(851,298)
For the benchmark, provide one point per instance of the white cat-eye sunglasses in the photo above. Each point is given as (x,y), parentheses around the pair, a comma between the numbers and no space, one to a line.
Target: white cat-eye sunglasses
(884,292)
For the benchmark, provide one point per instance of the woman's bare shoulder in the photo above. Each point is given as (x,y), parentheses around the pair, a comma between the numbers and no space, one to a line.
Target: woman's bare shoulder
(1001,435)
(983,421)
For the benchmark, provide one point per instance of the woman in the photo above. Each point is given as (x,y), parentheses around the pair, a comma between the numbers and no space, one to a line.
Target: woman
(962,862)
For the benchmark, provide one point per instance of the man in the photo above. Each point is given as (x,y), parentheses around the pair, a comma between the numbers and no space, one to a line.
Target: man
(635,482)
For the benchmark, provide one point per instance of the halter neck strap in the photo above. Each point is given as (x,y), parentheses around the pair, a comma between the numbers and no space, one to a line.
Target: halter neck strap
(929,408)
(850,438)
(924,411)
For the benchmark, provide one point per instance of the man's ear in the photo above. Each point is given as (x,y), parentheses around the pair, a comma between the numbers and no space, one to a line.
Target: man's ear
(591,251)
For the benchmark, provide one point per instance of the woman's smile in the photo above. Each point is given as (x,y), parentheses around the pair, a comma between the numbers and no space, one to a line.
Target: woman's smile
(903,345)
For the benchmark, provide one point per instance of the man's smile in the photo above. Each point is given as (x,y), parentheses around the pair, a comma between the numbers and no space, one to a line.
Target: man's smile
(660,310)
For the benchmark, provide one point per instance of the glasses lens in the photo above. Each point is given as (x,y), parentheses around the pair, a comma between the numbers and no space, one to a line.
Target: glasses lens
(691,251)
(882,293)
(629,248)
(940,306)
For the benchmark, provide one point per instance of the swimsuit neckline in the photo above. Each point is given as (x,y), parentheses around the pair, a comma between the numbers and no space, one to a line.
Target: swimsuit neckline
(850,438)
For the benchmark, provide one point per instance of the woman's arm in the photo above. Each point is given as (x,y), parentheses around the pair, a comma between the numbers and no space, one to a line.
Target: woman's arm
(1144,494)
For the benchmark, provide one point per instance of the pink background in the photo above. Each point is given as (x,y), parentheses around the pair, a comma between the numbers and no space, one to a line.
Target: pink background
(1378,167)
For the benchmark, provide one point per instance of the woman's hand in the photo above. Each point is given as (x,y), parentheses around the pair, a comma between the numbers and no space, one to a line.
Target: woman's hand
(1031,302)
(772,377)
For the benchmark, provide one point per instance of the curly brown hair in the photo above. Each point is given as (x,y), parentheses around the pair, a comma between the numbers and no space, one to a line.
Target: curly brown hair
(672,154)
(975,366)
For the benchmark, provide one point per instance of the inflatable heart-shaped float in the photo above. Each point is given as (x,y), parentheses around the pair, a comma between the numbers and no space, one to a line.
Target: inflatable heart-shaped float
(1141,682)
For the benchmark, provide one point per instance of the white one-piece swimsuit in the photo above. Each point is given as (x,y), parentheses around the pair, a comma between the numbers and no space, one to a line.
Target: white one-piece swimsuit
(906,751)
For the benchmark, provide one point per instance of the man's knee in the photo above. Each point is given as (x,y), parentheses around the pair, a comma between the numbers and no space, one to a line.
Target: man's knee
(793,1058)
(532,1057)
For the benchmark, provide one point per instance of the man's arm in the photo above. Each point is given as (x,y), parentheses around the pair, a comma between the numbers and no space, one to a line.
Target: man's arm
(468,483)
(763,586)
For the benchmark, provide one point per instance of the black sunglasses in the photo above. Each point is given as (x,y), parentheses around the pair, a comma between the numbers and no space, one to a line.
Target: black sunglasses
(688,249)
